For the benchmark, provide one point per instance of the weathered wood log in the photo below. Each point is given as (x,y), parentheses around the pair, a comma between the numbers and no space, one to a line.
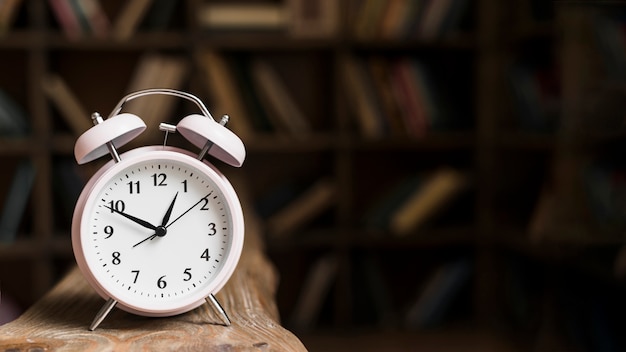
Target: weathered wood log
(60,320)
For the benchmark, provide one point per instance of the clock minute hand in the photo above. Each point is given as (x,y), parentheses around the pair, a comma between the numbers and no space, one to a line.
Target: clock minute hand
(134,219)
(188,210)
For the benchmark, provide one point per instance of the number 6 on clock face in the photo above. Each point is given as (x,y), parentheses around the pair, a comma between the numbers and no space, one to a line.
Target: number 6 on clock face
(159,231)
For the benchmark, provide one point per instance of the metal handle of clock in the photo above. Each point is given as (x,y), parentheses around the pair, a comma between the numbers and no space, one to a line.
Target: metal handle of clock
(165,91)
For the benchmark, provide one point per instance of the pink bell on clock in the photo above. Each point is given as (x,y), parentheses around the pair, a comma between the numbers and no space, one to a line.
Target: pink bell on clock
(223,144)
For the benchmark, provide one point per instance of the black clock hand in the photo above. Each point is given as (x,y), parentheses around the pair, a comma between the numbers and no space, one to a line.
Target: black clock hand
(145,239)
(161,230)
(134,219)
(168,213)
(186,211)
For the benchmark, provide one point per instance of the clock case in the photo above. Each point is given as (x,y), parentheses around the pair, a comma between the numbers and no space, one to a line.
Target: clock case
(212,137)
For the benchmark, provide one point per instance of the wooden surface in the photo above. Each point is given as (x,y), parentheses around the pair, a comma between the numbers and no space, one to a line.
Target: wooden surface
(60,320)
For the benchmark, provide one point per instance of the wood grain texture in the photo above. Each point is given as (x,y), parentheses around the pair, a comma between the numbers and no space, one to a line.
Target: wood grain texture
(60,320)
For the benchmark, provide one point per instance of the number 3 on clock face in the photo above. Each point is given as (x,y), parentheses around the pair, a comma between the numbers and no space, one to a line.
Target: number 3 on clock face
(159,231)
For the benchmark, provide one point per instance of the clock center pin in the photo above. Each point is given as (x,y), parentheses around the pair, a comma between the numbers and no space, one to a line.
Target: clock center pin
(160,231)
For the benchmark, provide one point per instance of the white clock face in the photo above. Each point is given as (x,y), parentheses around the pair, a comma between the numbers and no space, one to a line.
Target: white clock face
(157,233)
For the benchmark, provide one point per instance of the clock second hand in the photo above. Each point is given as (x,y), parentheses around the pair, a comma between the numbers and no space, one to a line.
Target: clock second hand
(186,211)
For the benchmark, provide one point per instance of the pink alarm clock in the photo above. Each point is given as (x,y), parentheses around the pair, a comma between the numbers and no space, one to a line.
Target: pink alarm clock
(158,230)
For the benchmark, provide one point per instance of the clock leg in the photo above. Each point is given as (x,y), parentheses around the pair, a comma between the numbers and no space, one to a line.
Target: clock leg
(104,311)
(218,309)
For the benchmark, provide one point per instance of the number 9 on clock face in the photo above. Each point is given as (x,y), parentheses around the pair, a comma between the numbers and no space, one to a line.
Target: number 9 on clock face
(158,232)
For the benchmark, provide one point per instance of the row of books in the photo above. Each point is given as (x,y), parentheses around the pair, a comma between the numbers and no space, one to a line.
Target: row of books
(374,303)
(255,96)
(67,180)
(397,19)
(396,97)
(401,210)
(387,97)
(291,206)
(296,18)
(409,204)
(152,71)
(82,18)
(535,82)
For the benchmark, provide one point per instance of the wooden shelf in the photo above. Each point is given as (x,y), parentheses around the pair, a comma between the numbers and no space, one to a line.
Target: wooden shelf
(464,140)
(139,42)
(460,41)
(35,248)
(292,144)
(545,142)
(427,238)
(265,41)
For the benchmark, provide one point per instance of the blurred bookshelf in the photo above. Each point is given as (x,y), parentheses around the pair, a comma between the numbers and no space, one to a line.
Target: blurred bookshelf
(459,155)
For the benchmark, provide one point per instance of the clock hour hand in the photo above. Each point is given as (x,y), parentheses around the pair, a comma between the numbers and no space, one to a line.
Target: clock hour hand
(132,218)
(168,213)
